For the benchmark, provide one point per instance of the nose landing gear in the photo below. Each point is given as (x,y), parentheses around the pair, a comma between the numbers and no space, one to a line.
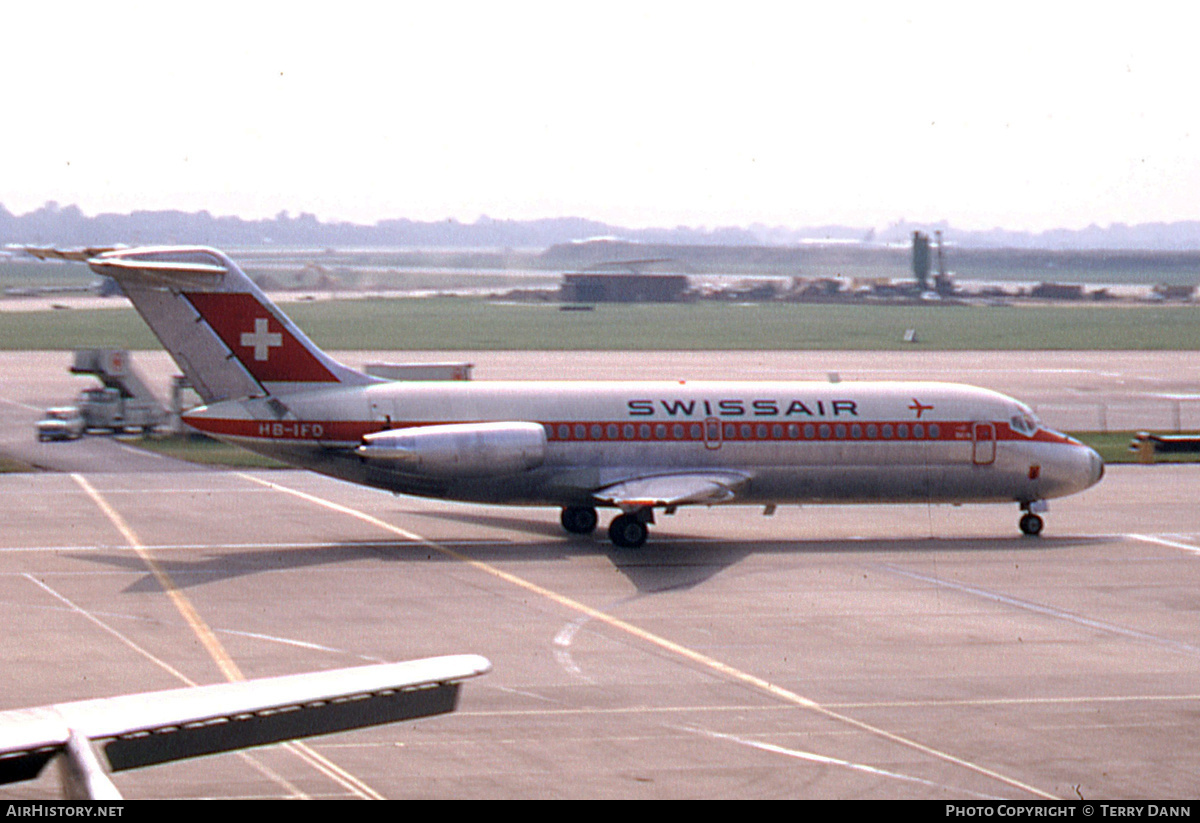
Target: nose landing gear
(1031,525)
(1031,522)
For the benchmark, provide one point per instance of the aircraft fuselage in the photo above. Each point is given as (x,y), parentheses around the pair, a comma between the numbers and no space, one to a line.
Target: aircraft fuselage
(806,442)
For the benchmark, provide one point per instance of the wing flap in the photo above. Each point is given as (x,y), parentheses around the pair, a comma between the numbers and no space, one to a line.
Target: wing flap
(686,488)
(28,739)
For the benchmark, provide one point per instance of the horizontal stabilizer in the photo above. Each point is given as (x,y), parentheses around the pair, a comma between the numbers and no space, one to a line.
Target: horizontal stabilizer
(165,274)
(79,254)
(703,488)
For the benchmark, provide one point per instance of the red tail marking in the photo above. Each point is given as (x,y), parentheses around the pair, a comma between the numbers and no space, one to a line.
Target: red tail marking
(268,351)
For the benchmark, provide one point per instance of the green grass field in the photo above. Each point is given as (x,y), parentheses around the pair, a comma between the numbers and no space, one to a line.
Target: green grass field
(197,448)
(9,465)
(478,324)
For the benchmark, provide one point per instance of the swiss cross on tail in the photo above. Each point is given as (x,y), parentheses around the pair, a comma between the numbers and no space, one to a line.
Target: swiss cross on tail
(262,339)
(270,352)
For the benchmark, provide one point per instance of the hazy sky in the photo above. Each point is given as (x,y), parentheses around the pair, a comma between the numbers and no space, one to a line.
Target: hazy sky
(641,114)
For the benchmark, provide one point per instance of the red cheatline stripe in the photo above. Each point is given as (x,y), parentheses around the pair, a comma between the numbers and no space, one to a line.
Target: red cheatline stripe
(576,431)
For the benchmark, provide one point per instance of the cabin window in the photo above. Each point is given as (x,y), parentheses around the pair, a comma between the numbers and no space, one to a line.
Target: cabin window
(934,431)
(887,431)
(824,431)
(793,430)
(856,432)
(810,431)
(612,431)
(918,431)
(629,431)
(902,431)
(564,432)
(580,431)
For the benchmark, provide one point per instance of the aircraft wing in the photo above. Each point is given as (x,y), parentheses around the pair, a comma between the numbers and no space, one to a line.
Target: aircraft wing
(156,727)
(704,488)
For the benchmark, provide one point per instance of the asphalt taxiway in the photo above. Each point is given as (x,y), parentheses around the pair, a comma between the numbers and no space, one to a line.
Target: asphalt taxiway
(855,652)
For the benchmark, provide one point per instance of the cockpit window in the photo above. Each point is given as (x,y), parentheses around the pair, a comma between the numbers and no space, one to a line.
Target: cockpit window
(1026,424)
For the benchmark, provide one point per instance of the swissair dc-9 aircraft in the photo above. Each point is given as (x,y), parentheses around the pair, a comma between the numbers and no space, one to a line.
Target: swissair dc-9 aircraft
(632,446)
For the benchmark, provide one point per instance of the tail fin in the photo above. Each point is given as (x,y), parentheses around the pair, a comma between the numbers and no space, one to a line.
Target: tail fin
(226,335)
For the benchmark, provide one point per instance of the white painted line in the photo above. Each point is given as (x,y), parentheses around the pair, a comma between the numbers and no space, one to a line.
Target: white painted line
(171,547)
(212,645)
(137,451)
(563,641)
(1162,541)
(723,669)
(832,761)
(71,606)
(301,644)
(19,404)
(1048,611)
(167,667)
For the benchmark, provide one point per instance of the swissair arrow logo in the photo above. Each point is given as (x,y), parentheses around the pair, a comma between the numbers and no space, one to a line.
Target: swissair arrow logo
(920,407)
(261,339)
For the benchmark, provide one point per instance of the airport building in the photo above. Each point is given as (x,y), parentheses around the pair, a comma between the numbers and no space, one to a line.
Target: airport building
(595,287)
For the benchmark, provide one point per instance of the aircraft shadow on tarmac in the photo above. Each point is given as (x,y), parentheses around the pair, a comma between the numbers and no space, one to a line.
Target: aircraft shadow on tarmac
(670,562)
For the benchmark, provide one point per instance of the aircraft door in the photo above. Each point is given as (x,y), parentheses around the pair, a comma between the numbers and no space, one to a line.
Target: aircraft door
(983,450)
(712,433)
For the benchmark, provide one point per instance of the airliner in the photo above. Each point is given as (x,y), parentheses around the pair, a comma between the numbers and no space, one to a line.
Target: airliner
(633,447)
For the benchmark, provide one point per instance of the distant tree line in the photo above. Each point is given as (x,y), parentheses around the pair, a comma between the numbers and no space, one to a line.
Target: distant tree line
(68,225)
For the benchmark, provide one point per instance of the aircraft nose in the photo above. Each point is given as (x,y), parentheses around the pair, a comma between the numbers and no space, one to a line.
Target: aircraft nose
(1095,466)
(1076,468)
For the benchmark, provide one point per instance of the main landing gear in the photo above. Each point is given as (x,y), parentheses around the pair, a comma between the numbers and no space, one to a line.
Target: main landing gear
(579,519)
(1031,522)
(627,531)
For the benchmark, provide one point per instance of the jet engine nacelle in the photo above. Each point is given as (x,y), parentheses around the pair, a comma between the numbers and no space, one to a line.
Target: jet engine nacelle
(460,449)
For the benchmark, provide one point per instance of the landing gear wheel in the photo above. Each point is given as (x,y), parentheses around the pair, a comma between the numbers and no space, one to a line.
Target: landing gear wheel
(628,532)
(579,519)
(1031,525)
